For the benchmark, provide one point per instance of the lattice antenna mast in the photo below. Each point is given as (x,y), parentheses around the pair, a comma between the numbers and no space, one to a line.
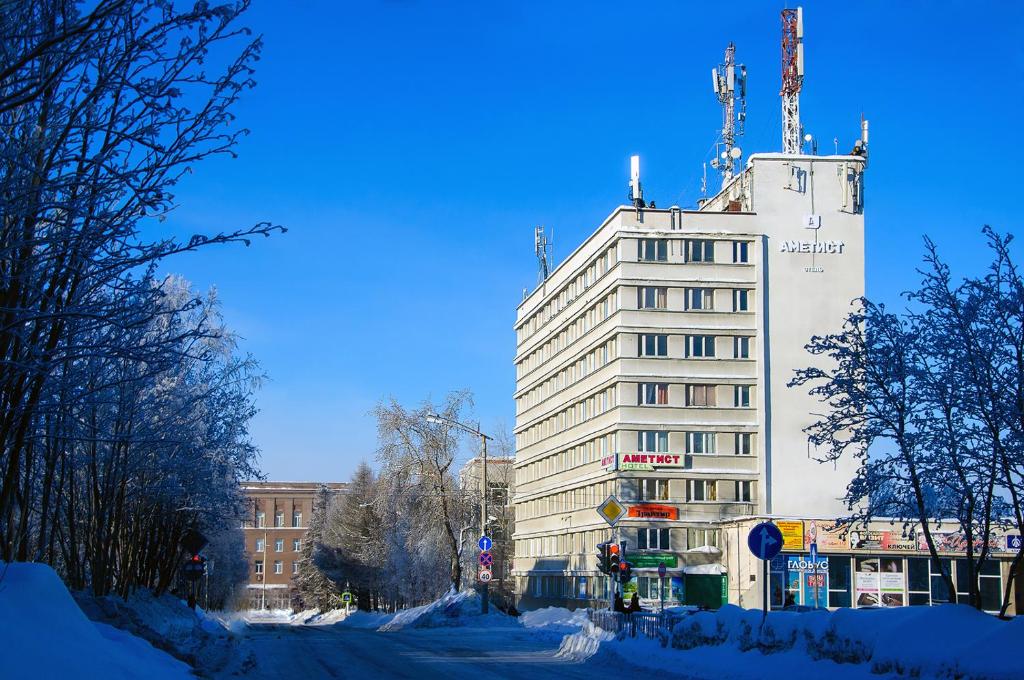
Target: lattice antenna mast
(792,78)
(730,83)
(542,248)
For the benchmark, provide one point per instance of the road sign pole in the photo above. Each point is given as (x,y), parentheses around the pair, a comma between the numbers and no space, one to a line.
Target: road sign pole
(764,601)
(485,595)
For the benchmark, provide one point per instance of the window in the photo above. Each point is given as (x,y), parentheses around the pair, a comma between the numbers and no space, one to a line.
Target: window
(741,347)
(700,395)
(839,582)
(653,489)
(652,250)
(699,299)
(701,490)
(279,519)
(741,396)
(698,538)
(652,442)
(741,300)
(650,297)
(700,346)
(295,567)
(260,545)
(259,566)
(743,491)
(261,519)
(653,539)
(653,394)
(700,442)
(700,250)
(652,345)
(744,443)
(741,252)
(279,545)
(296,544)
(297,519)
(278,567)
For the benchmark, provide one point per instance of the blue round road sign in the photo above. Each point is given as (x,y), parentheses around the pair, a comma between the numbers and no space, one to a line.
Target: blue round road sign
(484,543)
(765,541)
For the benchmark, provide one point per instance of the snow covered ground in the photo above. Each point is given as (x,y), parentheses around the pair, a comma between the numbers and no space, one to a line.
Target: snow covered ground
(46,635)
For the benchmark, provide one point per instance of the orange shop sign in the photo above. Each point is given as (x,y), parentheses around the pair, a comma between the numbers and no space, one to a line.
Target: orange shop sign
(653,511)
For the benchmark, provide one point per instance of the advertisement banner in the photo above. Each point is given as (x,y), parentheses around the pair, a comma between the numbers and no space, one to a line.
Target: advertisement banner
(883,540)
(653,511)
(867,582)
(829,538)
(651,560)
(956,542)
(792,534)
(880,582)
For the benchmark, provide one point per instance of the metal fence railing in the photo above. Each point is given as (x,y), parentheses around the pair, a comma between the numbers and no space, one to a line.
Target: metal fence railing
(634,623)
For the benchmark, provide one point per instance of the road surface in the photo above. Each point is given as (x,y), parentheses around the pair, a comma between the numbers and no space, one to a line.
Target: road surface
(340,651)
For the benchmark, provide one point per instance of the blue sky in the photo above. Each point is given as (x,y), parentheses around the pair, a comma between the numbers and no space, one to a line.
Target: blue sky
(411,147)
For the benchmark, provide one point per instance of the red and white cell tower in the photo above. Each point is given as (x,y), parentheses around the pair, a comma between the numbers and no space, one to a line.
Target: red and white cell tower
(792,77)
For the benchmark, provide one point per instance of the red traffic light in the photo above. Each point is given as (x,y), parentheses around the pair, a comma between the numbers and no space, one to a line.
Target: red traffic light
(613,548)
(197,558)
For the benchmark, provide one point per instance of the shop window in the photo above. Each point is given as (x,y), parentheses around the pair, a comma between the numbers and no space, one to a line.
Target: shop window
(918,590)
(839,582)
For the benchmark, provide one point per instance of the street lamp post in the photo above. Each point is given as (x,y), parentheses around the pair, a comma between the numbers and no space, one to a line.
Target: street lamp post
(434,418)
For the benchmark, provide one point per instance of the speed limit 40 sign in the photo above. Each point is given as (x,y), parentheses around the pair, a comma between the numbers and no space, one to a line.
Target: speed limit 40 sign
(485,576)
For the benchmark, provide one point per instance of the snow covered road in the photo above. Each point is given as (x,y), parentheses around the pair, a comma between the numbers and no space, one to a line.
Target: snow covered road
(288,651)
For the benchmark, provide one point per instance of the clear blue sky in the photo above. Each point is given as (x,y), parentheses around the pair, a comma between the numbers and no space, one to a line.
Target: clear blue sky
(411,148)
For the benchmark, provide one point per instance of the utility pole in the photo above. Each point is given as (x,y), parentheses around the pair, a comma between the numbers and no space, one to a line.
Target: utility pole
(483,511)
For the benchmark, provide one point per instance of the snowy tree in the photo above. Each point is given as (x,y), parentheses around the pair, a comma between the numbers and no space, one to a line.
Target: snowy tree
(929,401)
(315,588)
(356,533)
(419,497)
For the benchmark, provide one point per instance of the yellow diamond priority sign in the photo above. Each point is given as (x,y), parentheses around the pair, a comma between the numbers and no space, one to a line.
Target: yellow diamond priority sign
(611,510)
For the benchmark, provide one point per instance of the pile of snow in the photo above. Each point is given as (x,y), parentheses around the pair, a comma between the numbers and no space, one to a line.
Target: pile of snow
(951,641)
(557,618)
(453,609)
(199,639)
(47,635)
(586,642)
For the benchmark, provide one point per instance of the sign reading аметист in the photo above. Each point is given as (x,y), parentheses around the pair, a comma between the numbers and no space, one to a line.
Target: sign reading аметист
(811,246)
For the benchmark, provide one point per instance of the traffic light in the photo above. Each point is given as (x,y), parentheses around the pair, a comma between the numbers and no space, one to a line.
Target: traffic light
(603,562)
(614,559)
(625,572)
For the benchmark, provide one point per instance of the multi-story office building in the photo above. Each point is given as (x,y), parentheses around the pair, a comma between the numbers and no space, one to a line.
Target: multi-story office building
(274,532)
(652,365)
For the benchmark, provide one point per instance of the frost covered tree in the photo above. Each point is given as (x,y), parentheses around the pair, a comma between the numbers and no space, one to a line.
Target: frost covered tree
(931,402)
(123,404)
(423,509)
(314,587)
(356,534)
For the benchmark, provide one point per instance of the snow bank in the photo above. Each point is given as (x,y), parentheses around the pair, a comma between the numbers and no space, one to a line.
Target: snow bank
(554,617)
(453,609)
(48,636)
(951,641)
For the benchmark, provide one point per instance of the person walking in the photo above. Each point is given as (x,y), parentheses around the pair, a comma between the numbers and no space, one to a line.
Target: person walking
(634,606)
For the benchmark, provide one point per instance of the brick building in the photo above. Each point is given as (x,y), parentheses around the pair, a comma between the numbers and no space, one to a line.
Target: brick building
(279,514)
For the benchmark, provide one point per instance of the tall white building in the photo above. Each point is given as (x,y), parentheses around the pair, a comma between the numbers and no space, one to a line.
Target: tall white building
(652,365)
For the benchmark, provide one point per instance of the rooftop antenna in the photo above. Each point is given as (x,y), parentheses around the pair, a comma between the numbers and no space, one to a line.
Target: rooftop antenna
(636,189)
(542,248)
(730,83)
(792,78)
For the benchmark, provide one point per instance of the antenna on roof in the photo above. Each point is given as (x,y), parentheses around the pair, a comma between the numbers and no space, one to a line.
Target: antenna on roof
(792,78)
(542,248)
(636,189)
(730,83)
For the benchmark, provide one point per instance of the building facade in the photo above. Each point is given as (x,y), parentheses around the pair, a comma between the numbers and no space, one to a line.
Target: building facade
(652,364)
(501,519)
(279,514)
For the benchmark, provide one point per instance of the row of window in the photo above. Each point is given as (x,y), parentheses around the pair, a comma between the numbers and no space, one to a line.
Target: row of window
(696,299)
(695,443)
(588,452)
(597,268)
(694,250)
(261,520)
(565,501)
(572,415)
(278,545)
(574,372)
(655,345)
(594,315)
(278,567)
(586,542)
(696,490)
(657,394)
